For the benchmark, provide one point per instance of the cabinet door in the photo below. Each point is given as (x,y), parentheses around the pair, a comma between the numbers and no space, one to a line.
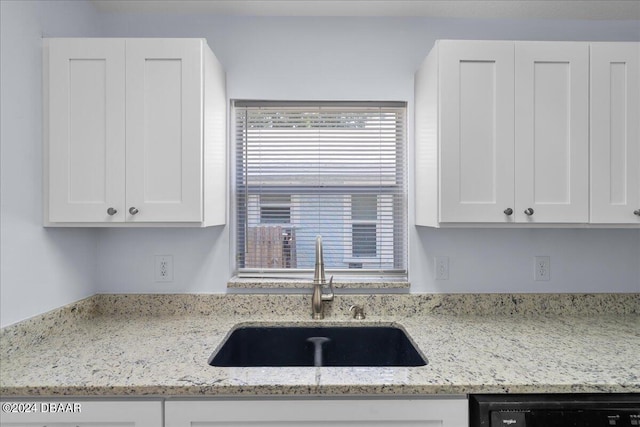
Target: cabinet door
(476,131)
(615,139)
(70,413)
(318,413)
(552,123)
(164,130)
(86,129)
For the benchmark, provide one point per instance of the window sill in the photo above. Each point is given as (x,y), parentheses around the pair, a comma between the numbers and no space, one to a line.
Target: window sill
(344,283)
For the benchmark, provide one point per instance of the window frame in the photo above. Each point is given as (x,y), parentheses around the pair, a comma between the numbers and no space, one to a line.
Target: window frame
(278,205)
(349,257)
(374,274)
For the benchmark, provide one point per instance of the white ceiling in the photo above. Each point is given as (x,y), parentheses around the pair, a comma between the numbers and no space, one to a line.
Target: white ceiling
(546,9)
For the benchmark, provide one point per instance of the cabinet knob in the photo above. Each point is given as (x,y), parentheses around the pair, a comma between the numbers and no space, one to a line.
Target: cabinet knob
(112,211)
(637,212)
(508,211)
(528,211)
(133,210)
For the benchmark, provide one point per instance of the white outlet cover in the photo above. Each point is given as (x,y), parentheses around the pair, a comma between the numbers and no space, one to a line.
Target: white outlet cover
(441,265)
(542,269)
(163,268)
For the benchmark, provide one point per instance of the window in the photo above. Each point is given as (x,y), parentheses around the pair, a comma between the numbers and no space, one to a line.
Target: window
(335,169)
(275,209)
(364,219)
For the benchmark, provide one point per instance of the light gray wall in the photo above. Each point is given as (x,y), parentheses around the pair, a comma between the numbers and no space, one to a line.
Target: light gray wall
(268,58)
(368,58)
(40,269)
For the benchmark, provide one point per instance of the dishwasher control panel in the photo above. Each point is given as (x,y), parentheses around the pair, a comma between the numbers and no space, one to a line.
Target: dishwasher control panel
(568,418)
(555,410)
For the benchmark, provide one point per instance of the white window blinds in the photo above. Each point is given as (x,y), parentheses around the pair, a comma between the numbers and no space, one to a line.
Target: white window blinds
(336,169)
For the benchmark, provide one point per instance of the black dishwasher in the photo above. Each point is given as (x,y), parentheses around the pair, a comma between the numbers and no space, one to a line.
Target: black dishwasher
(554,410)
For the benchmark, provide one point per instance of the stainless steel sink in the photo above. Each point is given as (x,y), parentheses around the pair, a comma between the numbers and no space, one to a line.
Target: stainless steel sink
(296,346)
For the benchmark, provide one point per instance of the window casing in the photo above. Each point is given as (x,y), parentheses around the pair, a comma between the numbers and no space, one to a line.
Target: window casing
(336,169)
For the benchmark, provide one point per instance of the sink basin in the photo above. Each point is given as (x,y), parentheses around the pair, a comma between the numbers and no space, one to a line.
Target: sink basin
(289,346)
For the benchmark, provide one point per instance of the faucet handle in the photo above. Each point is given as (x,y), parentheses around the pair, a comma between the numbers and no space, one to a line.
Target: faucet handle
(358,312)
(330,295)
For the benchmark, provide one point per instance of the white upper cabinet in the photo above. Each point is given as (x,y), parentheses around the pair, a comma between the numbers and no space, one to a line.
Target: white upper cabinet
(503,133)
(476,121)
(86,130)
(552,132)
(136,133)
(615,133)
(164,130)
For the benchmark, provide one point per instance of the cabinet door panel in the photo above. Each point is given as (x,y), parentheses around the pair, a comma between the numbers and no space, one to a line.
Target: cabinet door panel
(318,413)
(85,413)
(552,174)
(164,130)
(476,102)
(615,139)
(86,130)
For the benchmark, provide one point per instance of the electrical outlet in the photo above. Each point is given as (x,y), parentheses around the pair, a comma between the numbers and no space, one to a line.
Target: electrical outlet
(441,267)
(164,268)
(542,269)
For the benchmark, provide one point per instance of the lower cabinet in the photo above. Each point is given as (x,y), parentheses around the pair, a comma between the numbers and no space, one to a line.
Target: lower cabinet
(449,412)
(249,412)
(80,413)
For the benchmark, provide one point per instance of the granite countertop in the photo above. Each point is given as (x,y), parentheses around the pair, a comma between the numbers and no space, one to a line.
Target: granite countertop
(158,345)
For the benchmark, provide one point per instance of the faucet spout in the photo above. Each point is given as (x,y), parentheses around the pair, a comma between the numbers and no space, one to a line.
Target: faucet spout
(317,308)
(318,275)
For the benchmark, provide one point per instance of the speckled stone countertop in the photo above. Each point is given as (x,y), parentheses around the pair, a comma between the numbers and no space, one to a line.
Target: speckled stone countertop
(158,345)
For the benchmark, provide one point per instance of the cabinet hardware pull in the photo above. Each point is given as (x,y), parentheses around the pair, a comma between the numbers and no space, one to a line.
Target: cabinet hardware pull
(112,211)
(637,212)
(508,211)
(133,210)
(528,211)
